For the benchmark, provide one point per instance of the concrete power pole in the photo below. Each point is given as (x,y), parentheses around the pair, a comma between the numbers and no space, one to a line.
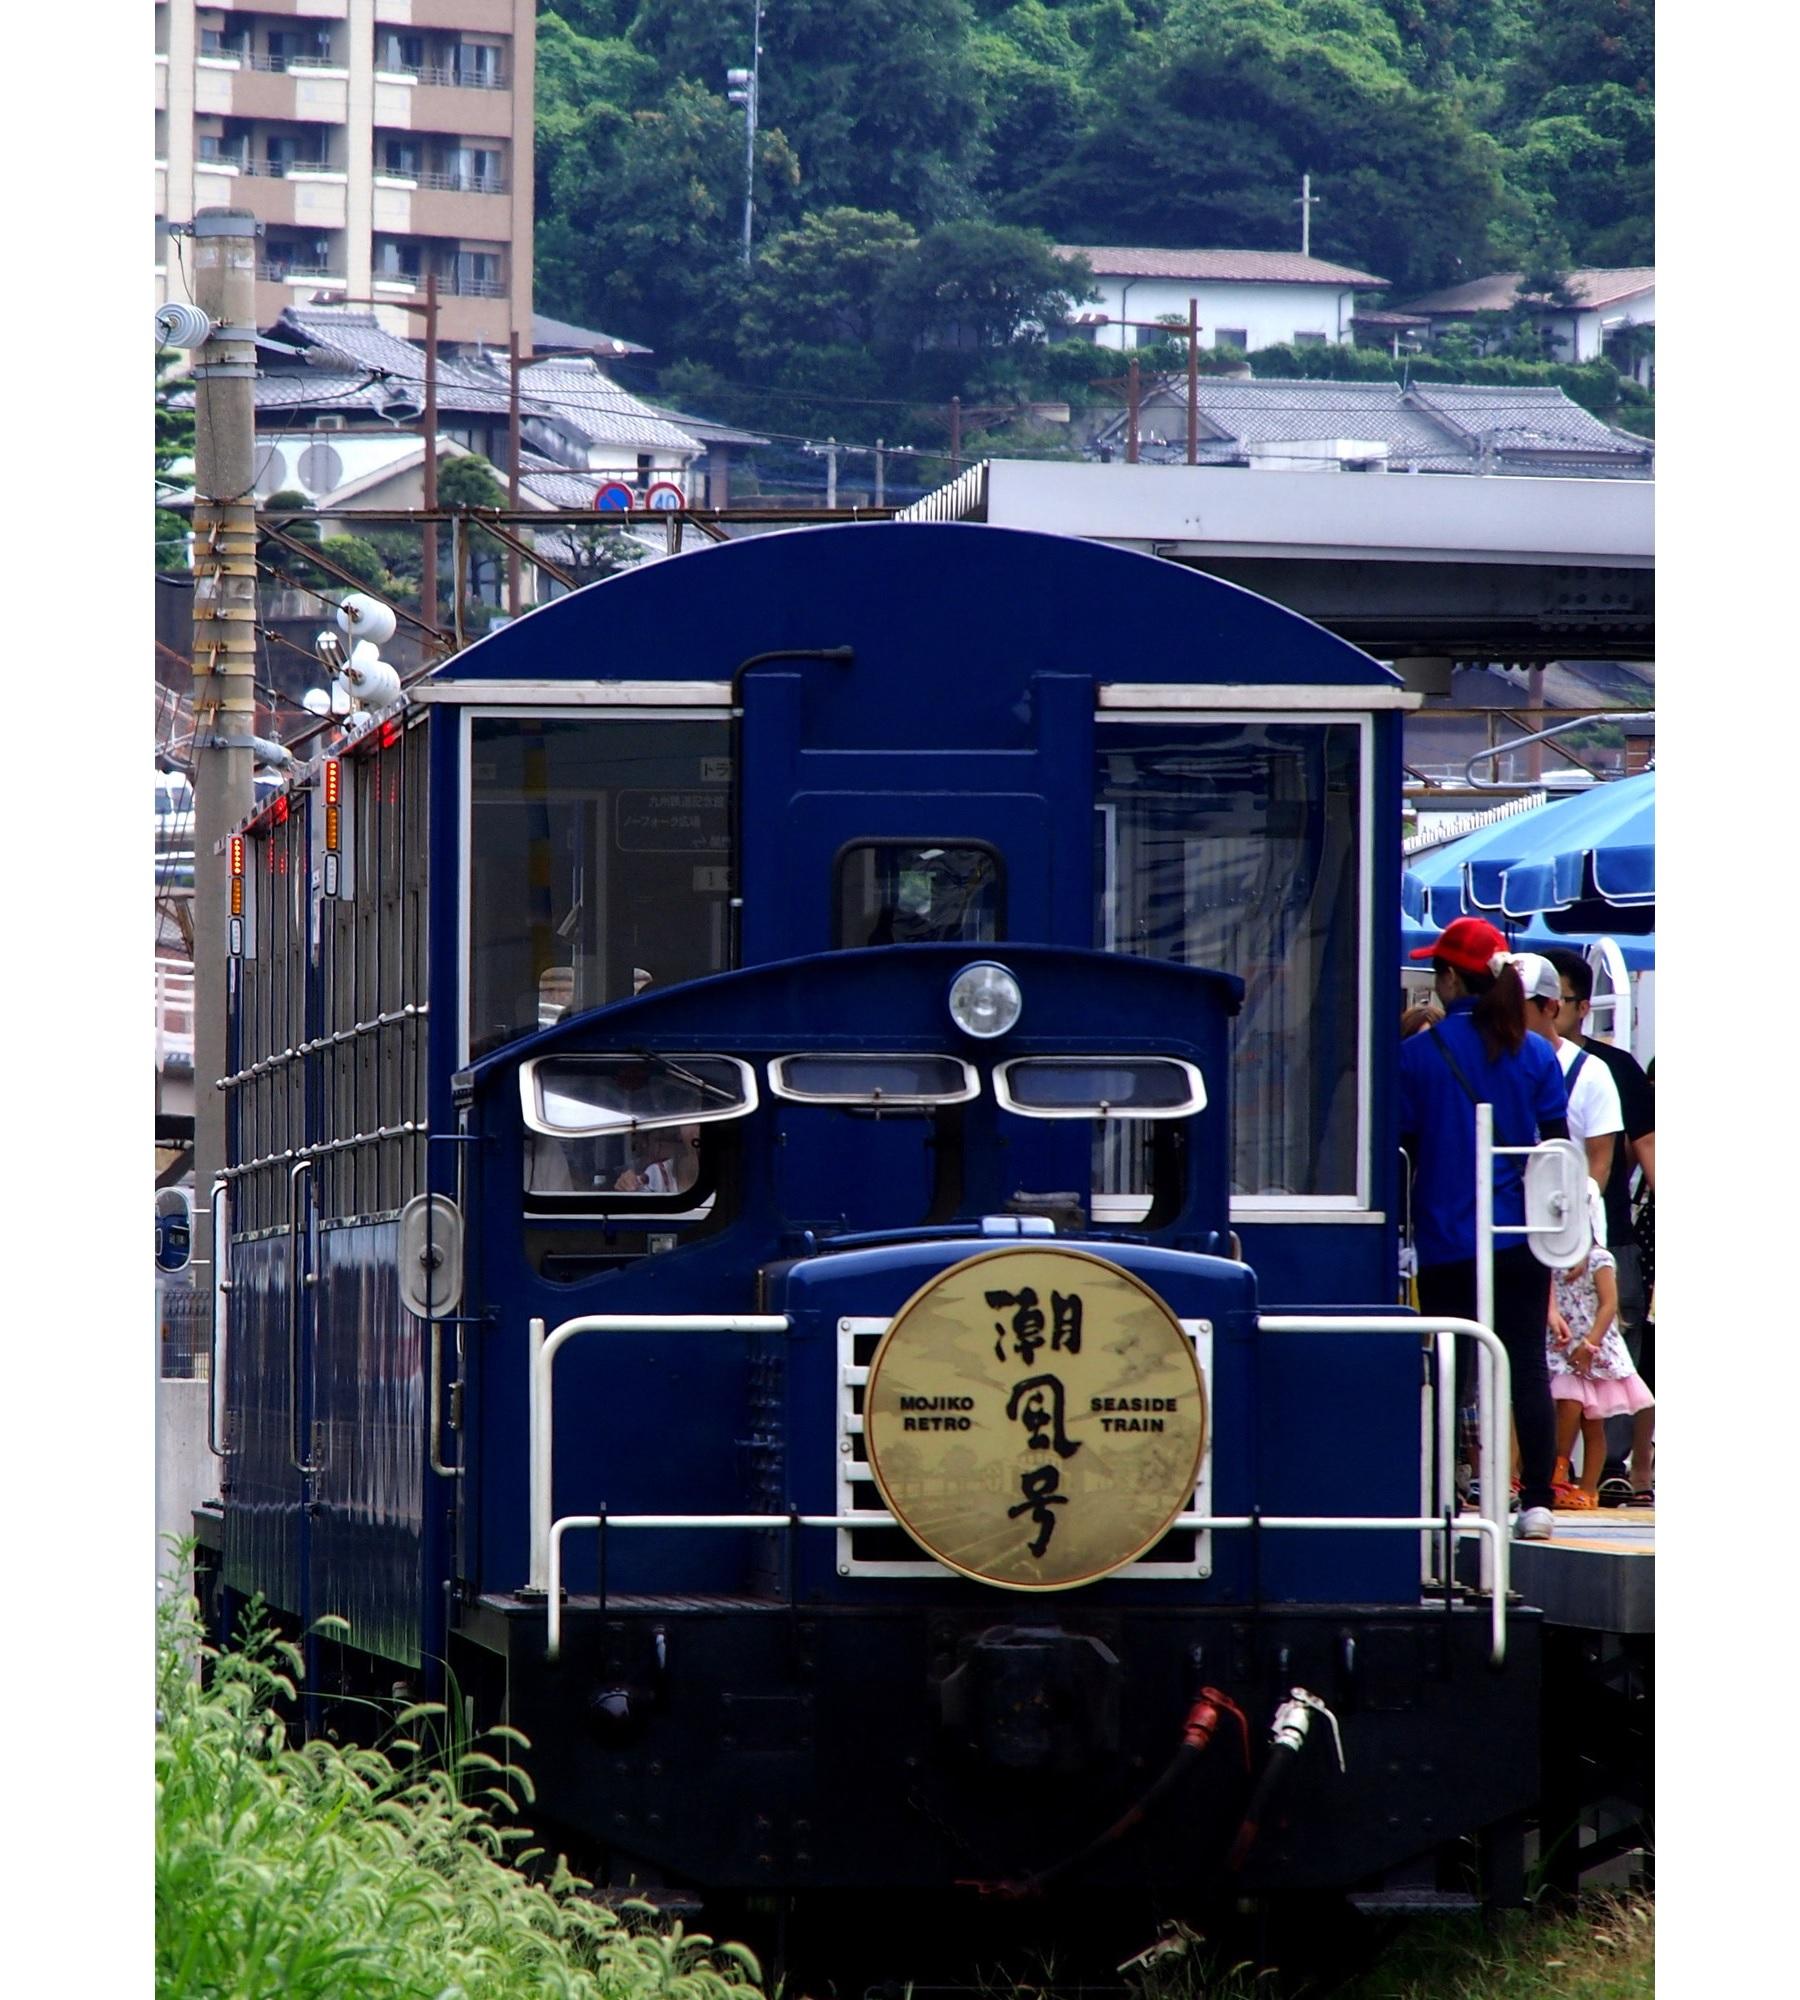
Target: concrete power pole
(1306,204)
(224,648)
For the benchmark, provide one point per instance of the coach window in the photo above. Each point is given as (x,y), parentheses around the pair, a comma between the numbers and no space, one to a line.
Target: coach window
(1238,845)
(599,862)
(918,892)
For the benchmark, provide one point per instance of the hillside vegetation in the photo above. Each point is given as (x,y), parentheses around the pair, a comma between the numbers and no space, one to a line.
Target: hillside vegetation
(916,158)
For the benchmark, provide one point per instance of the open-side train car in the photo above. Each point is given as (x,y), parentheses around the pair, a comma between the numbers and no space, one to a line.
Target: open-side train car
(812,1220)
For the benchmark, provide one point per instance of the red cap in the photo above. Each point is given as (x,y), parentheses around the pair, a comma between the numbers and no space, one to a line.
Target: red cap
(1469,944)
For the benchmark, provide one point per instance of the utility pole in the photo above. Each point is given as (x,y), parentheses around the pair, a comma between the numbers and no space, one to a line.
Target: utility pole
(1193,413)
(882,452)
(1131,390)
(224,648)
(828,451)
(1306,204)
(955,435)
(744,84)
(514,444)
(428,423)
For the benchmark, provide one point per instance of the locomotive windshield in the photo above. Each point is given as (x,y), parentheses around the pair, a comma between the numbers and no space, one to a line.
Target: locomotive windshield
(600,852)
(1238,845)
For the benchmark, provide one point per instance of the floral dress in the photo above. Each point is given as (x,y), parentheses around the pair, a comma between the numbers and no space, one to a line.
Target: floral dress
(1613,1388)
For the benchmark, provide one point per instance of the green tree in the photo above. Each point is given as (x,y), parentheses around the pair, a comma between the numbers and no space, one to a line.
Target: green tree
(1210,128)
(639,230)
(363,560)
(879,100)
(174,449)
(470,481)
(982,285)
(822,283)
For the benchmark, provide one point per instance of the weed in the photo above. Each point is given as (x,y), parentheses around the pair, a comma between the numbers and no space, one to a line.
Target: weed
(327,1872)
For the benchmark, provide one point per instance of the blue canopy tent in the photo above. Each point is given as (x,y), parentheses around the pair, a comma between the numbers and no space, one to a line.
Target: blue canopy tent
(1566,872)
(1599,848)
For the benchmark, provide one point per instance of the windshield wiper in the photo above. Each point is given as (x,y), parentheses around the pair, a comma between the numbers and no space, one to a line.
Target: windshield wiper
(699,1083)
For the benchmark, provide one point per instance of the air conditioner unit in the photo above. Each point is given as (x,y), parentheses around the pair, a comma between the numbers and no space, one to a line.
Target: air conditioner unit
(335,421)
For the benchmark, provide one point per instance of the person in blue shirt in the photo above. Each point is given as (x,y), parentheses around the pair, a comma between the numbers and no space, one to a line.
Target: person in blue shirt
(1480,1053)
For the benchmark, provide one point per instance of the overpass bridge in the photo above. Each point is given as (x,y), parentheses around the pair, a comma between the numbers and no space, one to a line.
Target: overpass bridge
(1409,566)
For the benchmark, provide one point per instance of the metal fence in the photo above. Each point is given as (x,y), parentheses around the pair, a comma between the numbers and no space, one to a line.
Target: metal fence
(183,1330)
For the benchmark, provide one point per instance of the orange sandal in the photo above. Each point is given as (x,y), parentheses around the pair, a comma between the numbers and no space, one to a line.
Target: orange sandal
(1568,1497)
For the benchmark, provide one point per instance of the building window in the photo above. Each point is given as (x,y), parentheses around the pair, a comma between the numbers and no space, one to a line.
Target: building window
(399,260)
(1232,336)
(401,55)
(400,157)
(1310,339)
(476,65)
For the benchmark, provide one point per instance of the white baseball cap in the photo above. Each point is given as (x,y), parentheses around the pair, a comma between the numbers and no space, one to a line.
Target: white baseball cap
(1539,977)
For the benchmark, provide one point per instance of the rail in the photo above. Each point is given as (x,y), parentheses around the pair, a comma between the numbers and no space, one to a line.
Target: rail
(445,76)
(458,183)
(1488,1525)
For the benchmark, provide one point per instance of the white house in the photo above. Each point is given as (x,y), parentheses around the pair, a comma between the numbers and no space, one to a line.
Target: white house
(1247,298)
(1606,302)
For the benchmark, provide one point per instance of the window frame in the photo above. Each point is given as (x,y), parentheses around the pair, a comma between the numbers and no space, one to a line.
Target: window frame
(948,842)
(1178,706)
(780,1088)
(575,701)
(1003,1094)
(531,1094)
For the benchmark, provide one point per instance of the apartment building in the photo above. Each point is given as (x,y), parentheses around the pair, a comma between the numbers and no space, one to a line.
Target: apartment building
(377,141)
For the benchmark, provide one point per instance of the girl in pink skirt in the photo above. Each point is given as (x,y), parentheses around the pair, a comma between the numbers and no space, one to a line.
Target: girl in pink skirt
(1593,1377)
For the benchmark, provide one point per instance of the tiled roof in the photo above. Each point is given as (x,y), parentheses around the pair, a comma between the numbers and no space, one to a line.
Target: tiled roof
(551,336)
(1251,267)
(1498,291)
(1518,419)
(357,338)
(586,402)
(1439,427)
(708,432)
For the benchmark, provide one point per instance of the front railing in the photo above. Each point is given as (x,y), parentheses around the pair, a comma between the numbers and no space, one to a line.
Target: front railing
(1488,1525)
(459,183)
(444,76)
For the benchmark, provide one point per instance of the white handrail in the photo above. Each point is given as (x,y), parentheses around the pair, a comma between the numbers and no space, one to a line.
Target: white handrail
(1496,1407)
(1480,1526)
(542,1432)
(1489,1524)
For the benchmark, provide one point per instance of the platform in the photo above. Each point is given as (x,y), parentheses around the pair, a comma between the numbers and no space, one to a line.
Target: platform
(1598,1573)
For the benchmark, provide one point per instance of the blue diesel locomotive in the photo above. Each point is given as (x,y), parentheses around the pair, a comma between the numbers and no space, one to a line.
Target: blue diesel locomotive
(812,1220)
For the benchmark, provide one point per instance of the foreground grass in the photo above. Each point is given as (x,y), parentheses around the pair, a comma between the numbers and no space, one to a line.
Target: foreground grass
(326,1873)
(1603,1949)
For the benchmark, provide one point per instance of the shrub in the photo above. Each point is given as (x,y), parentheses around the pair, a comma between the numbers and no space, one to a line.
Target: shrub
(314,1870)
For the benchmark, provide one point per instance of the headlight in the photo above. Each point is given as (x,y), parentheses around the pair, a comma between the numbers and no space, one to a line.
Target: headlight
(985,1000)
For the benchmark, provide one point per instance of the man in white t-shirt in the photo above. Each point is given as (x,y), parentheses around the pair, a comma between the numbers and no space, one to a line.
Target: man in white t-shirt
(1595,1113)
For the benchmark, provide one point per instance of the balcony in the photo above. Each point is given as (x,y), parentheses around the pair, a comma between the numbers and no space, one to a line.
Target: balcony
(449,286)
(462,183)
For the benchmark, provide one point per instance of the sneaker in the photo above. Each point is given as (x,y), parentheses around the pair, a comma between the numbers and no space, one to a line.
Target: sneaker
(1536,1524)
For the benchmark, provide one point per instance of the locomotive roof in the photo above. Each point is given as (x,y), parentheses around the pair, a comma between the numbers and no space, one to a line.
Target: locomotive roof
(906,594)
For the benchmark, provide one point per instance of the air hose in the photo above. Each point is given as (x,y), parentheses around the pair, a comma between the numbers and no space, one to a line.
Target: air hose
(1288,1732)
(1208,1710)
